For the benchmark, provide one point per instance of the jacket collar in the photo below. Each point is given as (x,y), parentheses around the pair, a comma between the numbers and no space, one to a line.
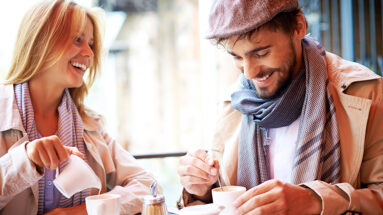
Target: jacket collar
(10,116)
(344,73)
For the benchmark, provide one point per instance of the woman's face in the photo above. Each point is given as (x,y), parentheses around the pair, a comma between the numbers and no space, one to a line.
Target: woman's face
(68,72)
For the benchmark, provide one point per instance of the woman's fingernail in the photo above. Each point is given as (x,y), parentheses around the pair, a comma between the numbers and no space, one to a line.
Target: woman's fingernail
(235,204)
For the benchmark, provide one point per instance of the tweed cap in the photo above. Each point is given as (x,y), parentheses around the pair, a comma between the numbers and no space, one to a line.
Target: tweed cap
(234,17)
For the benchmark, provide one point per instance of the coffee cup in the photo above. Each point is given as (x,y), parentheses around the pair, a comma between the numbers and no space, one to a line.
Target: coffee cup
(76,176)
(103,204)
(225,196)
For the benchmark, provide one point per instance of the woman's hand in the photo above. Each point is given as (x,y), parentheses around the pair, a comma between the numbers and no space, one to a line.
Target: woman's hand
(79,209)
(198,172)
(48,152)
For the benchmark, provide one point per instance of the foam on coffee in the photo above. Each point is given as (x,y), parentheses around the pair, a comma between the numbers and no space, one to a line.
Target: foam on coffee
(227,189)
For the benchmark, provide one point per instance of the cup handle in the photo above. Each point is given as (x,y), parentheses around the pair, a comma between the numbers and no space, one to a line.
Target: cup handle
(57,172)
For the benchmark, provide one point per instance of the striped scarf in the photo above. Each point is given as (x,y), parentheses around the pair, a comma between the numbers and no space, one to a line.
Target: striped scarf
(69,131)
(318,148)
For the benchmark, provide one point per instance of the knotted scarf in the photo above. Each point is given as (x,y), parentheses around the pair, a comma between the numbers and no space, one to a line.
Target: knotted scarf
(69,131)
(308,95)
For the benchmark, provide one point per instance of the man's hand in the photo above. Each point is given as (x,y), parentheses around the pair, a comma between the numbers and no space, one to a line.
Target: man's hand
(48,152)
(198,172)
(276,197)
(76,210)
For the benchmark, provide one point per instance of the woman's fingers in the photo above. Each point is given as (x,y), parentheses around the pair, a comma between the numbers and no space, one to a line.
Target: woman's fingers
(48,152)
(74,151)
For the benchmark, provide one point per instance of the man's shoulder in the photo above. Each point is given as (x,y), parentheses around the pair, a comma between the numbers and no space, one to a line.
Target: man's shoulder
(353,78)
(343,73)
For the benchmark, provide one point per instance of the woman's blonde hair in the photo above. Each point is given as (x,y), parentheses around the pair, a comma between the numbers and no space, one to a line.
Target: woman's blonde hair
(45,33)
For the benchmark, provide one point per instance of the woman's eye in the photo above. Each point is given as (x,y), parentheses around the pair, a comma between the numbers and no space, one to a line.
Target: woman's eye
(78,40)
(91,46)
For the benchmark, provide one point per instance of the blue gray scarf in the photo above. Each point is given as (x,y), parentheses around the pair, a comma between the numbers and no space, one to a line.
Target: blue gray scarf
(69,131)
(309,96)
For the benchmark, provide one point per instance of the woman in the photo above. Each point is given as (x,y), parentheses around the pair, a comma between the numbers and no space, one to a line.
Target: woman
(43,118)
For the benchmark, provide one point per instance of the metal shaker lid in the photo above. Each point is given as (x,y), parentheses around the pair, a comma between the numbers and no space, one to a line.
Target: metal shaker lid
(154,200)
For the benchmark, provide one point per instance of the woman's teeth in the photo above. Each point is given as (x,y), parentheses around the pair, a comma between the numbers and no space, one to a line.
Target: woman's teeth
(79,65)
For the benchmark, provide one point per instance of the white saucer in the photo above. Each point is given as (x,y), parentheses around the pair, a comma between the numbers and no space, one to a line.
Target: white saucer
(208,209)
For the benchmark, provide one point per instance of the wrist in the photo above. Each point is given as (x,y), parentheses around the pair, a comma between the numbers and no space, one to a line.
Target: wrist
(205,197)
(316,201)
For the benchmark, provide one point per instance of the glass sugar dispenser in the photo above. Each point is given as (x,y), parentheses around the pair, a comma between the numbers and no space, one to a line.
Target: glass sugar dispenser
(154,204)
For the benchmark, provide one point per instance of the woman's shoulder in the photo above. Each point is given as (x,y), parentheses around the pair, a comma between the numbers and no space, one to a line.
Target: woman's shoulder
(6,90)
(92,121)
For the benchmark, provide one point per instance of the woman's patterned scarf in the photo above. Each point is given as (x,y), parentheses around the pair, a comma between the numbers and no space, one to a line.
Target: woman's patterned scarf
(69,130)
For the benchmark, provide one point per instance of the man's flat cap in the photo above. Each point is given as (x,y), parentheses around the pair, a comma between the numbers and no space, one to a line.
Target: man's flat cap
(234,17)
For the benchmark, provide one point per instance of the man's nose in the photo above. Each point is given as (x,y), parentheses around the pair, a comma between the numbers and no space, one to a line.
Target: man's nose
(250,69)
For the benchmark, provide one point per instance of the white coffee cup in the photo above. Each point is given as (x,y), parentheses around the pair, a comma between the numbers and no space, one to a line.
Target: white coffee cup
(103,204)
(76,176)
(226,197)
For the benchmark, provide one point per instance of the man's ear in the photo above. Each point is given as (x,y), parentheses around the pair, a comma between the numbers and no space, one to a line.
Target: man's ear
(300,30)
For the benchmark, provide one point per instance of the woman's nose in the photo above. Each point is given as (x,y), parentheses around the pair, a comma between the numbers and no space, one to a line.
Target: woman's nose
(87,50)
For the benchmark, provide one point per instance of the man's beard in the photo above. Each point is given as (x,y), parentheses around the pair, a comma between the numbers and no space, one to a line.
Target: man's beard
(283,82)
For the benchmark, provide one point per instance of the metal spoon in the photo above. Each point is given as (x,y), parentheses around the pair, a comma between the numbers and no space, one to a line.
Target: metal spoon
(219,178)
(219,182)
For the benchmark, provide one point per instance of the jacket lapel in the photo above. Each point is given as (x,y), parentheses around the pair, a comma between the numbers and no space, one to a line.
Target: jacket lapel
(12,119)
(352,113)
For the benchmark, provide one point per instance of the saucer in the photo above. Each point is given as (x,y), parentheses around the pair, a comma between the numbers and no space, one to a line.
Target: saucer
(208,209)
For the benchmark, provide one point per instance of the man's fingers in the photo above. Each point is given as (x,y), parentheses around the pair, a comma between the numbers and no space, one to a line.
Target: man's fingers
(200,154)
(200,164)
(215,164)
(190,170)
(262,188)
(271,208)
(190,180)
(257,201)
(202,160)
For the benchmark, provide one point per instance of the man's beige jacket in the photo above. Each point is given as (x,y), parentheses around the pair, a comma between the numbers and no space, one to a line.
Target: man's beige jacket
(358,95)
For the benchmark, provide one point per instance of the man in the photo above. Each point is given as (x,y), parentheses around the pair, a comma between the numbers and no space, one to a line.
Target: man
(303,131)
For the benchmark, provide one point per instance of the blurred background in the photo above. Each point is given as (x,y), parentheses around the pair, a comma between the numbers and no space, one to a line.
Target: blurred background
(161,80)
